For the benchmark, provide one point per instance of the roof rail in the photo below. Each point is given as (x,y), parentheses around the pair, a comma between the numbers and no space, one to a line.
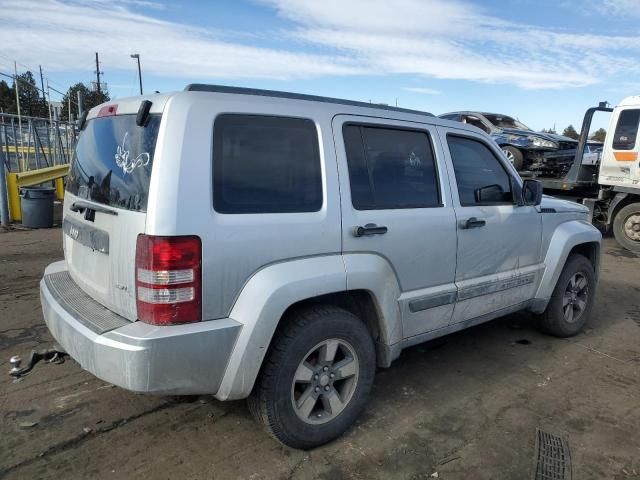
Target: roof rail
(200,87)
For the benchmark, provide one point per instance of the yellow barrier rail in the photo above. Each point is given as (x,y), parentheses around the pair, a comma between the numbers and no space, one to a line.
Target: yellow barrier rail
(31,150)
(31,178)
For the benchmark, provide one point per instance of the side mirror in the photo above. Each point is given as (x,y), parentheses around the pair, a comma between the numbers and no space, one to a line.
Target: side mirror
(531,192)
(489,194)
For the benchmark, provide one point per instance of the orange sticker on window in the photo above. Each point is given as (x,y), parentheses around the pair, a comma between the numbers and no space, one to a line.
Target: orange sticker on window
(626,156)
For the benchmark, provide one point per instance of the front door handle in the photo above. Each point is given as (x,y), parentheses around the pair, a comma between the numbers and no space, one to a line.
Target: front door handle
(472,222)
(369,229)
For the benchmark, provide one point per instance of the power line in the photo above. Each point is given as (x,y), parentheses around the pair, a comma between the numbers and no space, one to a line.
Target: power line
(21,64)
(32,70)
(44,93)
(16,79)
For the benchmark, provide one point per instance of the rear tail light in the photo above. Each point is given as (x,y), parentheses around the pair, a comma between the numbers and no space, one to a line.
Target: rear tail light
(168,279)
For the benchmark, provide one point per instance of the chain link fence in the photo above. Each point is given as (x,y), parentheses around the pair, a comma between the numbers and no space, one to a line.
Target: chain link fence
(30,143)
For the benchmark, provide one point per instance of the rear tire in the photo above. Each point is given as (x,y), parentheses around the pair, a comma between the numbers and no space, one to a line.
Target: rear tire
(572,300)
(514,156)
(316,378)
(626,227)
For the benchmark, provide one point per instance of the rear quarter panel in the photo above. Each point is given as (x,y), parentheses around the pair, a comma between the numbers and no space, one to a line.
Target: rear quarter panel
(234,246)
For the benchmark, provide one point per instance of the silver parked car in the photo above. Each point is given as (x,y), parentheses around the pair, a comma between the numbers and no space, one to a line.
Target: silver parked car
(280,247)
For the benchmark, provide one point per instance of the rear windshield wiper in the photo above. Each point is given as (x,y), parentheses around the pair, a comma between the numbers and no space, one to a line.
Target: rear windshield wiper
(80,206)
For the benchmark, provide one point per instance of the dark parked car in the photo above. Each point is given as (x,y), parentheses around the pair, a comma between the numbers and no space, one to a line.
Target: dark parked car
(523,147)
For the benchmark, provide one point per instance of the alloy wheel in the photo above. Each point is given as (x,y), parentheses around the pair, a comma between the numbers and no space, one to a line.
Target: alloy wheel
(324,381)
(509,155)
(574,300)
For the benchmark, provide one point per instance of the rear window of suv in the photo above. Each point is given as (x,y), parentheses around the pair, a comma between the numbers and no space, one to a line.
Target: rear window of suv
(114,157)
(266,164)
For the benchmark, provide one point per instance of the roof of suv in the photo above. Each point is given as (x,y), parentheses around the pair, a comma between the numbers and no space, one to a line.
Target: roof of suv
(199,87)
(474,112)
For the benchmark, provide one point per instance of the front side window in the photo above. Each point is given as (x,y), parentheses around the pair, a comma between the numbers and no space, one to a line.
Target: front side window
(266,164)
(390,168)
(626,130)
(481,178)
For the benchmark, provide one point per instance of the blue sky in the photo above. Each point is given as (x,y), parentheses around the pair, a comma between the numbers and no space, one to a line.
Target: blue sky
(543,61)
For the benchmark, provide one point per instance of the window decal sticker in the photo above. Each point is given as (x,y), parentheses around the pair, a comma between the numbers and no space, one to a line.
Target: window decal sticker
(123,157)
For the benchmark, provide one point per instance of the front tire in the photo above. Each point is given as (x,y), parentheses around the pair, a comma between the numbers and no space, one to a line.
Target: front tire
(316,378)
(626,227)
(515,156)
(572,300)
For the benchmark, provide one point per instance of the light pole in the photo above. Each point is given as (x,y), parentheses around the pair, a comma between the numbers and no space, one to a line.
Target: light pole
(137,57)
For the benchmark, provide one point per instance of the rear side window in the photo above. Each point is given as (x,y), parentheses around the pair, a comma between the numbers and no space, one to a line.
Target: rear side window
(626,130)
(266,164)
(114,157)
(481,178)
(390,168)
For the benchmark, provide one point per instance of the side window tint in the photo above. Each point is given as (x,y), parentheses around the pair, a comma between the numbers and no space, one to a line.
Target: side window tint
(627,130)
(265,164)
(390,168)
(480,177)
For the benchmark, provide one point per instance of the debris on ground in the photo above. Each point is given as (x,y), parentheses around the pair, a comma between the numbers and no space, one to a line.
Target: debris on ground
(27,424)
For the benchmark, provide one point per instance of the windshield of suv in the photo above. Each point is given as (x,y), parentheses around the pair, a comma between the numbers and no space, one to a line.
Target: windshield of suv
(113,161)
(502,121)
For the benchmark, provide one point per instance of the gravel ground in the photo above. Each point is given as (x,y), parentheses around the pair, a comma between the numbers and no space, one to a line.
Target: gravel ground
(465,406)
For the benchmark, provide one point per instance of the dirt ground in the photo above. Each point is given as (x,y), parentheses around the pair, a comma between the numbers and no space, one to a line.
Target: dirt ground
(466,406)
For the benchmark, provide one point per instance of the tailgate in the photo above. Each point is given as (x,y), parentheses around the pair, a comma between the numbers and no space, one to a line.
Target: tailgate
(105,207)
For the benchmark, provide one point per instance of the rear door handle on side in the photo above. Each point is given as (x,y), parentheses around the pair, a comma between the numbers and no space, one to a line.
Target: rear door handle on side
(369,229)
(472,222)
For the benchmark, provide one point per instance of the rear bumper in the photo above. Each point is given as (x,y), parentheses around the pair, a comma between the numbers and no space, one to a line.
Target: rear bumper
(178,360)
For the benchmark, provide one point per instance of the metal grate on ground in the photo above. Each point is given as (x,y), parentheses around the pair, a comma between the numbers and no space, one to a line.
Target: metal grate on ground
(552,458)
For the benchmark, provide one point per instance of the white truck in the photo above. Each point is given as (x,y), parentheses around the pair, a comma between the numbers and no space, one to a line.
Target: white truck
(605,178)
(617,203)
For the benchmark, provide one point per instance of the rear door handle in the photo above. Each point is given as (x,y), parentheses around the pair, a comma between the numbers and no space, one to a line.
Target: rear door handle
(79,206)
(472,222)
(369,229)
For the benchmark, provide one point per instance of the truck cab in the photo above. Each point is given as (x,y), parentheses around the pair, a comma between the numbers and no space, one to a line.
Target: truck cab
(619,168)
(618,202)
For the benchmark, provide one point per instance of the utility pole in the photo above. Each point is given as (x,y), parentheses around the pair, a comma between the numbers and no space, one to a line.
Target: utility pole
(4,199)
(79,103)
(137,57)
(98,72)
(49,97)
(44,99)
(20,155)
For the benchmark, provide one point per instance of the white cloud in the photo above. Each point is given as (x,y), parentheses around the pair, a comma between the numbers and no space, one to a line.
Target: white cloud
(619,7)
(424,90)
(452,39)
(63,35)
(442,39)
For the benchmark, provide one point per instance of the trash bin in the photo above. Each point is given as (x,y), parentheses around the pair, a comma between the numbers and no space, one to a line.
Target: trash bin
(36,204)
